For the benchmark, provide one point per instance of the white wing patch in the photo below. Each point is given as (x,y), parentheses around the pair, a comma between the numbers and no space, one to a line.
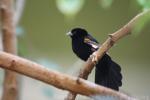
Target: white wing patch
(92,43)
(94,46)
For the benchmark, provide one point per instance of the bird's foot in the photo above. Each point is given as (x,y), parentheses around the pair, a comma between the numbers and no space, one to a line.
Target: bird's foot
(94,58)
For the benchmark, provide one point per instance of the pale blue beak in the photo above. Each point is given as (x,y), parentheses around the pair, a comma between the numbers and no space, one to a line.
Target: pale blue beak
(69,34)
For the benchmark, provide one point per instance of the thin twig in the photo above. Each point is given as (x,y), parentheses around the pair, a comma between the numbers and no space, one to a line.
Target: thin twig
(112,39)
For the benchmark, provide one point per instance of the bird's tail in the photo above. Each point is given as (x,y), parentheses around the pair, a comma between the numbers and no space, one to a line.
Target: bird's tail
(108,73)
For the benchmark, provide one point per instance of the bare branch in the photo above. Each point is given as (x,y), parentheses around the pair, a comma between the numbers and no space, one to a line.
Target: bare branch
(61,81)
(113,38)
(10,19)
(18,13)
(10,90)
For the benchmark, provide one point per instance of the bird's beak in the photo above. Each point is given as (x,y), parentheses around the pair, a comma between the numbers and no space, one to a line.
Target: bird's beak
(69,34)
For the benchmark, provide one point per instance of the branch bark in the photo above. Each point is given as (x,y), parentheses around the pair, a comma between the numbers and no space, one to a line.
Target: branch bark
(61,81)
(112,39)
(10,90)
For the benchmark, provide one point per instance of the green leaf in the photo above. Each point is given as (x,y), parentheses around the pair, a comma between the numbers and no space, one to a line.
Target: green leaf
(105,3)
(69,7)
(144,3)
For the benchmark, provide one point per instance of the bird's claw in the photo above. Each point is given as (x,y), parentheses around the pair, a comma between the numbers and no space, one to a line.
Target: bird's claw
(94,58)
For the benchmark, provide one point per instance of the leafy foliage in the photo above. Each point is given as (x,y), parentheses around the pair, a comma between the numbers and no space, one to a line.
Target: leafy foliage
(69,7)
(144,3)
(140,24)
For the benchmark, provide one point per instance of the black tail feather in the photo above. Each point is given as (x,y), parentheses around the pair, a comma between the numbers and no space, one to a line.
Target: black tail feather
(108,73)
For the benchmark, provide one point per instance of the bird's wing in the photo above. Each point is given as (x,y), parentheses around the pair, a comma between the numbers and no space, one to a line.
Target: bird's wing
(92,42)
(92,39)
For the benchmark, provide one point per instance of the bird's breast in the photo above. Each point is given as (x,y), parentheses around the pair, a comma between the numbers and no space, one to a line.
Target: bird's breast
(82,50)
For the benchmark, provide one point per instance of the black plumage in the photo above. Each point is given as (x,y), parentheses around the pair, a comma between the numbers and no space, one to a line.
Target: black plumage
(108,73)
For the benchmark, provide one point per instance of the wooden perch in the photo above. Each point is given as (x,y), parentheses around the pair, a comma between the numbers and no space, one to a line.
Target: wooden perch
(113,38)
(61,81)
(10,91)
(10,19)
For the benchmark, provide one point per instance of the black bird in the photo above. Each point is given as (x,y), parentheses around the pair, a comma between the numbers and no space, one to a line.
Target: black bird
(108,73)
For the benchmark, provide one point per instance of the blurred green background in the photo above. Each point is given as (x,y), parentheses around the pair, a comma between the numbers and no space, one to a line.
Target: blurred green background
(43,40)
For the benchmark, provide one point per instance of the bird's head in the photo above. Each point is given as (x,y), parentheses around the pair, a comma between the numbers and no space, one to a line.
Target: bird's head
(77,33)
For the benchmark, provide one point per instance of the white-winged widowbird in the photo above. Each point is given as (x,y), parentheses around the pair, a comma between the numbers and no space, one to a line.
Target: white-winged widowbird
(107,72)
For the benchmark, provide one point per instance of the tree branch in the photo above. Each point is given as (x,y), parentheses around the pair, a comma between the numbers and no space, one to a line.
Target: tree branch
(10,91)
(19,7)
(113,38)
(10,19)
(61,81)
